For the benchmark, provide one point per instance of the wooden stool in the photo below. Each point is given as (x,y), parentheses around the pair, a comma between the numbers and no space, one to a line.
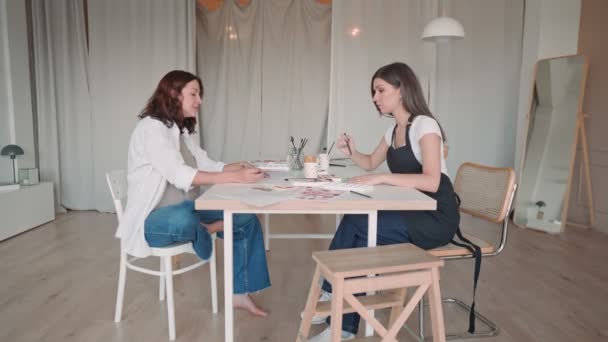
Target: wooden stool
(390,267)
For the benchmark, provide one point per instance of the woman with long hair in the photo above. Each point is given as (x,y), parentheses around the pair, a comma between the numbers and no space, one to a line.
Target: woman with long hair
(165,168)
(412,147)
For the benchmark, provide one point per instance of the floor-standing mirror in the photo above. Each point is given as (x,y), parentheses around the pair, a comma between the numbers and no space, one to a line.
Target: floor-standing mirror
(555,126)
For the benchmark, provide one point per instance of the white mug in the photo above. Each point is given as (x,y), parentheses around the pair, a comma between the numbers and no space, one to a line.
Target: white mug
(311,170)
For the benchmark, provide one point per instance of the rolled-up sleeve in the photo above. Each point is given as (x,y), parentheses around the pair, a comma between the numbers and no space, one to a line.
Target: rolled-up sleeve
(161,151)
(207,164)
(203,162)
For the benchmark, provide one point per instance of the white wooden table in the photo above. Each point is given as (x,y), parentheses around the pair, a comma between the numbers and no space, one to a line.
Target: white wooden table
(383,198)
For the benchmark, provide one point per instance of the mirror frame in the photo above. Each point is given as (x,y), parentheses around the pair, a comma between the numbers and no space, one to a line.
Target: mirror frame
(579,127)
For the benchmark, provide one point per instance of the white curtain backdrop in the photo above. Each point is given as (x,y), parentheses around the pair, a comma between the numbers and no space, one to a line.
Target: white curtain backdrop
(63,102)
(271,69)
(86,112)
(478,82)
(365,36)
(265,67)
(132,44)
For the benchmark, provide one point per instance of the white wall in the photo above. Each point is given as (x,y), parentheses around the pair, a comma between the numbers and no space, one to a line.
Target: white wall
(478,81)
(5,98)
(592,45)
(16,123)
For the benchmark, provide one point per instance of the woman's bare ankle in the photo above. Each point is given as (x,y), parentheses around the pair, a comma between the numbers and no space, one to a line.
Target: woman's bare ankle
(244,301)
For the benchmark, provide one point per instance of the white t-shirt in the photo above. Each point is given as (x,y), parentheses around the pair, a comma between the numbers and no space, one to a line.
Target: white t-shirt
(421,126)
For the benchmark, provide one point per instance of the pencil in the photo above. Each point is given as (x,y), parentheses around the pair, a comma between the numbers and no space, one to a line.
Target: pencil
(332,146)
(360,194)
(347,144)
(340,165)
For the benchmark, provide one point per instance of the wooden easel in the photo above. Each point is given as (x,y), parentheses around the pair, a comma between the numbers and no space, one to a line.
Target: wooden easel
(580,131)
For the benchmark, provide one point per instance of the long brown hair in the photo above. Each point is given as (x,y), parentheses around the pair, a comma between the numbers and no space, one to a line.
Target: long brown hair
(165,105)
(401,76)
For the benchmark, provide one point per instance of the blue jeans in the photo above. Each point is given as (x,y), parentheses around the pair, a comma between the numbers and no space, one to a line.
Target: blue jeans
(352,233)
(181,222)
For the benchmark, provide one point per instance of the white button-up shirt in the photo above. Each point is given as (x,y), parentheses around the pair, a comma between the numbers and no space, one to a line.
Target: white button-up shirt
(155,159)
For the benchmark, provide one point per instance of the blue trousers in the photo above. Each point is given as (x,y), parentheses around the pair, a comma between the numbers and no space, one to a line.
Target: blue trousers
(181,222)
(352,233)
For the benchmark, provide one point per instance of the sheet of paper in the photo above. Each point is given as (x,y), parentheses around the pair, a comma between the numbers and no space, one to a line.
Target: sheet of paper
(317,194)
(267,165)
(258,195)
(329,185)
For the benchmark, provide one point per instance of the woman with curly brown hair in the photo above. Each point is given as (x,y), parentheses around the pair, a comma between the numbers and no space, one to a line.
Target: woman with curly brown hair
(165,168)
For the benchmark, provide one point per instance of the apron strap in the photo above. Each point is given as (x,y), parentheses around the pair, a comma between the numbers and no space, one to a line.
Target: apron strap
(476,251)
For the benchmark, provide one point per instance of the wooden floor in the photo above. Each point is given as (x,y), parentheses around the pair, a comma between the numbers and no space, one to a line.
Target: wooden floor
(58,283)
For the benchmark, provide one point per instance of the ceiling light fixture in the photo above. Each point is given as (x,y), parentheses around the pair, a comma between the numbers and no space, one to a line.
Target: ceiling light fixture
(443,28)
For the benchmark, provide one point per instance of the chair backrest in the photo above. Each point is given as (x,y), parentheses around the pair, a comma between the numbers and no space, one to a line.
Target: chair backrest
(117,182)
(485,191)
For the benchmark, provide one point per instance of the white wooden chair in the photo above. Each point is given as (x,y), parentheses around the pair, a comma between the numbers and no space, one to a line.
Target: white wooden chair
(486,193)
(117,181)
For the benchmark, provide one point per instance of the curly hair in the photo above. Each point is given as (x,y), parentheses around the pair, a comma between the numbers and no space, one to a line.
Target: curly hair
(165,104)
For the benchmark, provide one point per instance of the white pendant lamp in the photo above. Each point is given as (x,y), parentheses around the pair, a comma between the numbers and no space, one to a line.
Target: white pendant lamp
(443,28)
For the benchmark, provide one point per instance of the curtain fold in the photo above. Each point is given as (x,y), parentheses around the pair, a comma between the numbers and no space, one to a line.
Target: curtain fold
(88,101)
(132,44)
(265,67)
(229,56)
(295,80)
(63,101)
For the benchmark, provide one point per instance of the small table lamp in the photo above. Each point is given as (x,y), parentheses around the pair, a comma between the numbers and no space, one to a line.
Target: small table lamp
(13,151)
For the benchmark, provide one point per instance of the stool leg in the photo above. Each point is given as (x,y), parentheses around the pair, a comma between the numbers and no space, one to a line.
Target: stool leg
(311,305)
(337,303)
(397,309)
(421,319)
(436,308)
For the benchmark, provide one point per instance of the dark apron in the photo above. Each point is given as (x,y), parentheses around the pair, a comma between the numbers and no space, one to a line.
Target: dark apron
(427,228)
(430,229)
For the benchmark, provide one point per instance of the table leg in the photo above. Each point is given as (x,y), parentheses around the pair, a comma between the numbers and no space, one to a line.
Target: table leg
(372,240)
(267,232)
(228,278)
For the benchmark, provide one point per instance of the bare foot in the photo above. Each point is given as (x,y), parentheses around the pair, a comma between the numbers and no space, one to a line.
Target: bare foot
(214,227)
(244,301)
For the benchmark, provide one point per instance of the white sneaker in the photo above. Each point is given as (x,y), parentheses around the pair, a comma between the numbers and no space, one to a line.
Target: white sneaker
(325,336)
(324,297)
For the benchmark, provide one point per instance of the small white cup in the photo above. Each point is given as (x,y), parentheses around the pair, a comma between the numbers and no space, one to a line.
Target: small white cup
(323,162)
(311,170)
